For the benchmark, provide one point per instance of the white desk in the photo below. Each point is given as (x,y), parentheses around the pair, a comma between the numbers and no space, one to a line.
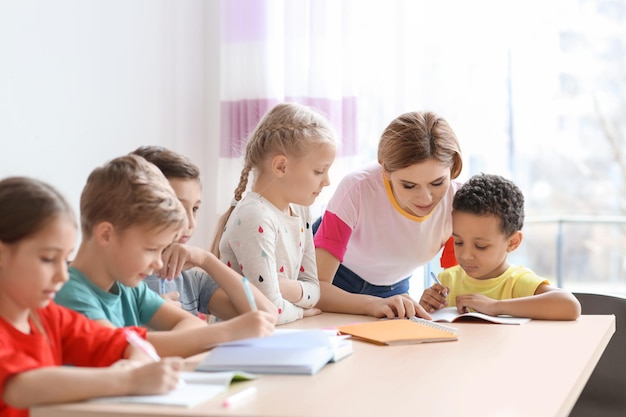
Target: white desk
(537,369)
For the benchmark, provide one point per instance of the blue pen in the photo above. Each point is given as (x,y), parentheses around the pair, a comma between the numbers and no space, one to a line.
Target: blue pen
(432,274)
(246,288)
(162,286)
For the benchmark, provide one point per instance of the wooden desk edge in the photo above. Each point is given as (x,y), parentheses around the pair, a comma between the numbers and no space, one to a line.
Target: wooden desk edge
(591,365)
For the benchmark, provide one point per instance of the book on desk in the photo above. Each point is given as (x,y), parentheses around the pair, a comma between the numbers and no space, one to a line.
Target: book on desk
(451,314)
(194,388)
(285,352)
(400,331)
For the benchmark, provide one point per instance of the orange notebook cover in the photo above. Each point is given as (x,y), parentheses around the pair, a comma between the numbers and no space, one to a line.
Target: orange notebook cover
(400,331)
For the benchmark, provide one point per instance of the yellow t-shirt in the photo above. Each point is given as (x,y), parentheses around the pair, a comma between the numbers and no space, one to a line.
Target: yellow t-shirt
(515,282)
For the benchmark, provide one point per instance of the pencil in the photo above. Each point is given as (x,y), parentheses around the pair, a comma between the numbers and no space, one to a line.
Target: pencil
(239,397)
(248,290)
(135,340)
(434,276)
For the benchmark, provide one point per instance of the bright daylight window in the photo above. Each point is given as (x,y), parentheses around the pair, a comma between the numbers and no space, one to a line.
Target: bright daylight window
(535,91)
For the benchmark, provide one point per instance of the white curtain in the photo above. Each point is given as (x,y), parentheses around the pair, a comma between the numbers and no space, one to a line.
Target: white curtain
(275,51)
(364,62)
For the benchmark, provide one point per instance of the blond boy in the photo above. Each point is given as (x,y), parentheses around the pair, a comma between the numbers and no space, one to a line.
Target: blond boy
(129,215)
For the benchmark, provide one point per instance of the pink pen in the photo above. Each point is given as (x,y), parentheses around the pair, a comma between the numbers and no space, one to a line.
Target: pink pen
(136,341)
(240,397)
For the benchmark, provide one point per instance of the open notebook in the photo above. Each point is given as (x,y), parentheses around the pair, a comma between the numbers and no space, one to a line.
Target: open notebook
(451,314)
(284,352)
(197,388)
(400,331)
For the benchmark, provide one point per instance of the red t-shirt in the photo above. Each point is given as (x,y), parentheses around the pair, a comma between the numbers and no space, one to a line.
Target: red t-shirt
(448,259)
(70,339)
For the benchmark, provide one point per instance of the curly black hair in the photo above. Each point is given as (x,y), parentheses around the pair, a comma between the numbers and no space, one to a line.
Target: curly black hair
(485,194)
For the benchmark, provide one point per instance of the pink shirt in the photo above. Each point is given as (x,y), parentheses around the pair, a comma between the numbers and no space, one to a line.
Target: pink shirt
(365,228)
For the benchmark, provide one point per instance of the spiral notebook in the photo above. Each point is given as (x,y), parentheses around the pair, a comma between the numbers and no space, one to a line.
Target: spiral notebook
(400,331)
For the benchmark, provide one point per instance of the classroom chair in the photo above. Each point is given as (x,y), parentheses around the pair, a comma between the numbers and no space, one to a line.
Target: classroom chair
(605,392)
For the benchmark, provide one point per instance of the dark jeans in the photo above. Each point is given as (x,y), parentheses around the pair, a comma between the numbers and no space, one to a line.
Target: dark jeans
(347,280)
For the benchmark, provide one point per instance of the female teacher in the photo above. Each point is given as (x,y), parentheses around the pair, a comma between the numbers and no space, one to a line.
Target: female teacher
(388,218)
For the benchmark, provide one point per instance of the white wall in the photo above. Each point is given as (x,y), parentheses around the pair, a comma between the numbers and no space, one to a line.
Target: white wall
(82,82)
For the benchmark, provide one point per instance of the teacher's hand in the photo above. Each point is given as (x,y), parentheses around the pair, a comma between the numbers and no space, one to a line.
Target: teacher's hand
(397,306)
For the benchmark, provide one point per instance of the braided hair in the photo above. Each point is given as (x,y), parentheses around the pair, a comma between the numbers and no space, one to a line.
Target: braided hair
(288,129)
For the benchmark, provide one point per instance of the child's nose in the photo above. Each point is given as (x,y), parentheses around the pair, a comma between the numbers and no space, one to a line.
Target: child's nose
(462,252)
(157,263)
(191,222)
(62,273)
(326,180)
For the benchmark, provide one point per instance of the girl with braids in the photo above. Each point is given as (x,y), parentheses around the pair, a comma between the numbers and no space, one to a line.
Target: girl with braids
(266,235)
(388,218)
(37,234)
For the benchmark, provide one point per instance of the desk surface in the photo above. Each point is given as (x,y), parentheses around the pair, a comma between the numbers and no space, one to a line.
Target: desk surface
(534,369)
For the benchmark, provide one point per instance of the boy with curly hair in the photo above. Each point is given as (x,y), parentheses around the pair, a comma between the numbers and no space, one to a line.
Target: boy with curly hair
(487,220)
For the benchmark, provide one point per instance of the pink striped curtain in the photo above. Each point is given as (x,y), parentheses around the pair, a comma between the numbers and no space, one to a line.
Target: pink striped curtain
(284,51)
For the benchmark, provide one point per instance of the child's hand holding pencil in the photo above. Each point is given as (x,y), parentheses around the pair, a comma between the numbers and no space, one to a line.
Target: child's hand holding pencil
(435,297)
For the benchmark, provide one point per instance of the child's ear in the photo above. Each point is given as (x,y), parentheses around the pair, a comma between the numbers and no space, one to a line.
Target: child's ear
(279,165)
(514,241)
(102,233)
